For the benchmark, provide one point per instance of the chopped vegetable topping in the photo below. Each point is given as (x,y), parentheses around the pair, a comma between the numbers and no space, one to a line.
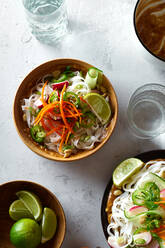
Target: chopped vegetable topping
(58,115)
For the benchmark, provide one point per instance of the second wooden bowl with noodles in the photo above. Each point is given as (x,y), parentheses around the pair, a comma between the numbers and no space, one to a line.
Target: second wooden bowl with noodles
(24,92)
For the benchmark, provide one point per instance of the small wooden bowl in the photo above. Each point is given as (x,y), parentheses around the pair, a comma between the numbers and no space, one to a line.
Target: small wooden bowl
(48,199)
(24,92)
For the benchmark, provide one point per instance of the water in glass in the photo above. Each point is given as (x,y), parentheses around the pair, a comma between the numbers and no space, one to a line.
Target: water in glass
(146,111)
(47,19)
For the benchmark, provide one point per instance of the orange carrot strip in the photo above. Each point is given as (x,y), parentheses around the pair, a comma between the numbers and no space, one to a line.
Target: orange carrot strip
(82,99)
(48,107)
(44,108)
(162,206)
(160,202)
(62,111)
(42,94)
(66,141)
(44,126)
(73,115)
(62,139)
(53,130)
(161,232)
(162,236)
(72,106)
(58,127)
(159,228)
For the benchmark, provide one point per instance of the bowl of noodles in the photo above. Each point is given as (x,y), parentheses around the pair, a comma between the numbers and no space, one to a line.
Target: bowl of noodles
(133,213)
(65,110)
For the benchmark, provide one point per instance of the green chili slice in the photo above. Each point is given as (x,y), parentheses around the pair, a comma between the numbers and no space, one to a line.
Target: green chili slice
(72,97)
(37,133)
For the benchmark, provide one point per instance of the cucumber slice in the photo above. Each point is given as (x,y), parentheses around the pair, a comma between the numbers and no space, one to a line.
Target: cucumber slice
(151,177)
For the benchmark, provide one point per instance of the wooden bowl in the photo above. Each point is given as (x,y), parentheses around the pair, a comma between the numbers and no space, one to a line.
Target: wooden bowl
(24,92)
(48,199)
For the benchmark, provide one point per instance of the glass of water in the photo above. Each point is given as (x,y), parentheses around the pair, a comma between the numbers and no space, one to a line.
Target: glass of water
(146,111)
(47,19)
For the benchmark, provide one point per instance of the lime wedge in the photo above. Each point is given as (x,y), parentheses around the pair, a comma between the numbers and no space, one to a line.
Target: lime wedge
(49,224)
(100,107)
(18,211)
(31,202)
(126,169)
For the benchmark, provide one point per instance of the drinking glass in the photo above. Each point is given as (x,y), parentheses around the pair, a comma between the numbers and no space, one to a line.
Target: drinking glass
(146,111)
(47,19)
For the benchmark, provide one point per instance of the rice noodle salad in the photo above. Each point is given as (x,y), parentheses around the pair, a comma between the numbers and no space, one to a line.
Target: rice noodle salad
(137,216)
(68,111)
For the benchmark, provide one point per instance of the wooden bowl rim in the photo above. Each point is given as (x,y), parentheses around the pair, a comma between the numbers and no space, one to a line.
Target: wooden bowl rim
(53,195)
(38,151)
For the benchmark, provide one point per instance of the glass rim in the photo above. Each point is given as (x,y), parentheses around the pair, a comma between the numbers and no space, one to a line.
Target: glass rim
(39,15)
(145,85)
(134,22)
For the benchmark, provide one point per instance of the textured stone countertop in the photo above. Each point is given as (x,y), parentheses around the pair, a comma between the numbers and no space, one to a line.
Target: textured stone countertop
(101,33)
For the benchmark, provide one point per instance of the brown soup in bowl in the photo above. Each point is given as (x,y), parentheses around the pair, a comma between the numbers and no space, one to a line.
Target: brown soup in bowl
(150,25)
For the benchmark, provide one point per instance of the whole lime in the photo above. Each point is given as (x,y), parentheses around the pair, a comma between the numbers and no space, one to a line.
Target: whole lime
(25,233)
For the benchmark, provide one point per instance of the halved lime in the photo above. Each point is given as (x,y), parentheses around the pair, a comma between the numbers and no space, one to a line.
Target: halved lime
(99,106)
(25,233)
(125,170)
(49,224)
(31,202)
(18,211)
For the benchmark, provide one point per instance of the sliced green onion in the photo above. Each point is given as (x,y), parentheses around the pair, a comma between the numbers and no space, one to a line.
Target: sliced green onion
(91,77)
(100,78)
(54,97)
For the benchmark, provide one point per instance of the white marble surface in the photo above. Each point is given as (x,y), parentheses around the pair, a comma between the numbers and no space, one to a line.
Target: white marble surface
(102,34)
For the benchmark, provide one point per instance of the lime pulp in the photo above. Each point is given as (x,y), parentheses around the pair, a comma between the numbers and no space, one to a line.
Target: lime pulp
(125,170)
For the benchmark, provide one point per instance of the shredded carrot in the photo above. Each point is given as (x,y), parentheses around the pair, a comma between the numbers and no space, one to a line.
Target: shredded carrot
(44,126)
(62,139)
(42,94)
(48,107)
(66,141)
(44,108)
(160,202)
(159,228)
(73,107)
(163,231)
(82,99)
(53,130)
(162,206)
(72,114)
(57,128)
(162,236)
(62,111)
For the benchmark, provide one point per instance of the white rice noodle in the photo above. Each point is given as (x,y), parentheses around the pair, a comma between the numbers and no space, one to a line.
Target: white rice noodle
(120,226)
(79,86)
